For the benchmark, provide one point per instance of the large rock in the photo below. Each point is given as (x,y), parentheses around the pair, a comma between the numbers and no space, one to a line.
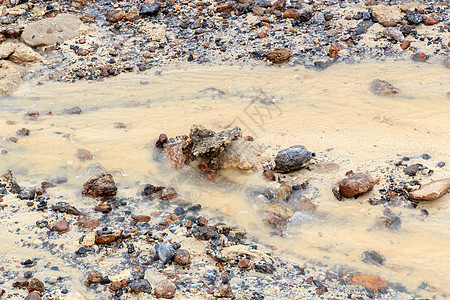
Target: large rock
(24,54)
(356,184)
(243,155)
(387,13)
(101,185)
(52,30)
(432,190)
(292,159)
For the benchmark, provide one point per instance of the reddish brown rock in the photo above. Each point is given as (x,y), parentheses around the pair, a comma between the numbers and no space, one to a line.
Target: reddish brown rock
(62,226)
(405,45)
(179,150)
(429,21)
(334,50)
(94,277)
(267,173)
(84,155)
(182,257)
(356,184)
(162,139)
(431,191)
(33,296)
(20,283)
(118,285)
(262,35)
(141,218)
(32,115)
(305,205)
(278,55)
(244,263)
(133,14)
(372,282)
(108,237)
(35,285)
(23,132)
(82,51)
(420,57)
(291,14)
(86,222)
(223,291)
(165,289)
(388,23)
(101,185)
(114,16)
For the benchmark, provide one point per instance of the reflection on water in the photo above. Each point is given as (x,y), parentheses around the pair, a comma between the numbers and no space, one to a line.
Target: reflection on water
(332,113)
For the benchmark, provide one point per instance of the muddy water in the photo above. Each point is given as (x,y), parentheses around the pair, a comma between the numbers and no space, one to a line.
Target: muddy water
(332,113)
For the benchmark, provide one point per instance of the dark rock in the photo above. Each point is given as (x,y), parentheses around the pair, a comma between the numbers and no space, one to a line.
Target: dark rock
(356,184)
(373,257)
(425,156)
(23,132)
(441,164)
(20,283)
(33,296)
(165,252)
(149,9)
(292,159)
(162,139)
(204,232)
(412,169)
(140,286)
(414,17)
(165,289)
(101,185)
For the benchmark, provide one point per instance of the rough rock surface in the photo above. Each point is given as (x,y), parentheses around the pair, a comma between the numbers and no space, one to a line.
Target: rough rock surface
(10,78)
(243,155)
(383,88)
(432,190)
(356,184)
(24,54)
(165,289)
(292,159)
(101,185)
(52,30)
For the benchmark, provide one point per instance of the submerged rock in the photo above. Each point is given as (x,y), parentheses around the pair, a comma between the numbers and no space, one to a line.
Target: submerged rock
(356,184)
(372,282)
(431,191)
(373,257)
(292,159)
(383,88)
(101,185)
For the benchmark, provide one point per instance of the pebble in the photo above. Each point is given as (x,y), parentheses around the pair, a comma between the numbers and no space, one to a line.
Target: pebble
(165,289)
(356,184)
(35,285)
(94,277)
(33,296)
(244,263)
(165,252)
(278,55)
(393,34)
(62,226)
(182,257)
(412,169)
(291,14)
(292,159)
(414,17)
(140,286)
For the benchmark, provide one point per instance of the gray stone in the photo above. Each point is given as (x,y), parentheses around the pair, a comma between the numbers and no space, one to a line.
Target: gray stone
(292,159)
(165,252)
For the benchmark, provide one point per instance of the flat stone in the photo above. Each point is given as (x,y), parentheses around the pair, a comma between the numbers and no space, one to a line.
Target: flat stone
(431,191)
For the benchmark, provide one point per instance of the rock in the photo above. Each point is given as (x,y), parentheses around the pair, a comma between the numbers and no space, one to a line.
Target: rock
(149,9)
(429,21)
(373,257)
(305,16)
(411,170)
(32,115)
(20,283)
(101,185)
(165,289)
(393,34)
(292,159)
(11,30)
(182,257)
(305,204)
(119,125)
(291,14)
(86,222)
(244,263)
(162,139)
(387,13)
(431,191)
(165,252)
(72,111)
(33,296)
(140,218)
(278,209)
(372,282)
(10,78)
(405,45)
(50,31)
(132,14)
(62,226)
(88,240)
(115,16)
(388,24)
(84,155)
(243,155)
(24,54)
(23,132)
(118,285)
(140,286)
(6,49)
(223,291)
(278,55)
(208,143)
(356,184)
(283,192)
(35,285)
(414,17)
(333,51)
(107,238)
(94,277)
(383,88)
(179,150)
(422,57)
(267,173)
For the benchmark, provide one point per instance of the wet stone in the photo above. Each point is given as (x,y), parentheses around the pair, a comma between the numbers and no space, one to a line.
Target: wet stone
(182,257)
(383,88)
(140,286)
(32,115)
(101,185)
(165,252)
(356,184)
(165,289)
(373,257)
(412,169)
(292,159)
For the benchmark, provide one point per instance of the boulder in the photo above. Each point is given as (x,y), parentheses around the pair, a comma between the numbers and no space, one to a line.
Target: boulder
(52,30)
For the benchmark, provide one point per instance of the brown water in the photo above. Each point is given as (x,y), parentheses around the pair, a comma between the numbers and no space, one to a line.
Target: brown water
(332,113)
